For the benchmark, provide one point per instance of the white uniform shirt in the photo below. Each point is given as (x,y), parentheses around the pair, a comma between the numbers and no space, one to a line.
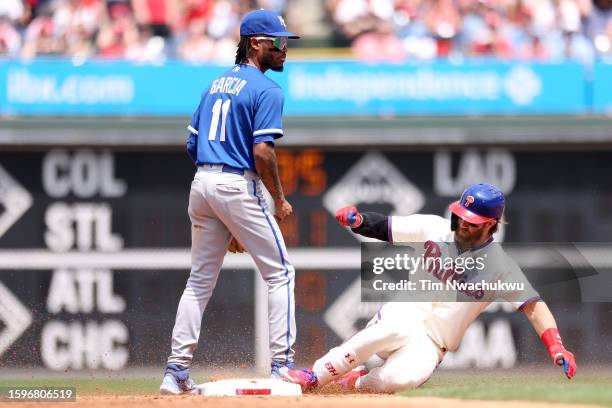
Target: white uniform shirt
(446,322)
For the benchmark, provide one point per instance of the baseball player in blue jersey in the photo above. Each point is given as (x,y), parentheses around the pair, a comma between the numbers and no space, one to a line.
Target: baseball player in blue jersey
(231,140)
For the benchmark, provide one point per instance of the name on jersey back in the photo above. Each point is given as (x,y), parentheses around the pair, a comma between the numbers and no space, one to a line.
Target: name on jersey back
(229,85)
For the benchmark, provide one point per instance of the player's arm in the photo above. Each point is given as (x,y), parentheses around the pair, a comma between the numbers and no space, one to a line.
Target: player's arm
(265,163)
(268,127)
(192,145)
(192,135)
(394,229)
(368,224)
(544,324)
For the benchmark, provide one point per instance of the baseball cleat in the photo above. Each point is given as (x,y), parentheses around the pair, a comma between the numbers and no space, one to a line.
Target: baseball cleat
(348,380)
(176,381)
(279,369)
(306,378)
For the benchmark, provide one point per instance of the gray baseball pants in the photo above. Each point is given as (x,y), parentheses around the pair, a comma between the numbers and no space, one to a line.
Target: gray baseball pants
(223,204)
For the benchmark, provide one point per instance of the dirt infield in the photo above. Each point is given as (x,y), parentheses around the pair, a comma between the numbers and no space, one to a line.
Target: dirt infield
(306,401)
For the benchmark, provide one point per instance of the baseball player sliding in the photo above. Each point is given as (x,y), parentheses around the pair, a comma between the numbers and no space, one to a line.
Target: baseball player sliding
(405,342)
(231,140)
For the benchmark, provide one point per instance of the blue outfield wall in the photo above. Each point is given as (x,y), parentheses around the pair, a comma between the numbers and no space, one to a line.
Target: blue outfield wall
(440,89)
(332,88)
(602,88)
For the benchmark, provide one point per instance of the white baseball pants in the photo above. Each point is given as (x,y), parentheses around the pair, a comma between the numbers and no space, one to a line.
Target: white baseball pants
(397,338)
(220,205)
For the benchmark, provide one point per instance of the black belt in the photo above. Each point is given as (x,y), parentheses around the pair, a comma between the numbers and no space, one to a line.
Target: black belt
(228,169)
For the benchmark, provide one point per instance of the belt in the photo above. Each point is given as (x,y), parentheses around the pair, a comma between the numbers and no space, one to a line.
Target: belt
(227,168)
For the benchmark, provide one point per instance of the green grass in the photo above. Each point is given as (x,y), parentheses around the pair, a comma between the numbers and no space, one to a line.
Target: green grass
(92,385)
(593,387)
(589,387)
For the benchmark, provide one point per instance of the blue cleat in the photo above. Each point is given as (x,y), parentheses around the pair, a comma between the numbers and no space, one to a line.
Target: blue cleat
(279,369)
(176,381)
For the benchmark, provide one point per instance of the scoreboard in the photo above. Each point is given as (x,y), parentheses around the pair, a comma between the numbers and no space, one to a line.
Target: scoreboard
(94,246)
(84,199)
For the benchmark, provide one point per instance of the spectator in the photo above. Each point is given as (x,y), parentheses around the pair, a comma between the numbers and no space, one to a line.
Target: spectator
(443,21)
(10,40)
(533,50)
(225,17)
(77,15)
(111,38)
(80,43)
(196,47)
(13,10)
(354,17)
(382,44)
(75,23)
(159,16)
(491,43)
(194,10)
(603,41)
(41,38)
(144,47)
(598,24)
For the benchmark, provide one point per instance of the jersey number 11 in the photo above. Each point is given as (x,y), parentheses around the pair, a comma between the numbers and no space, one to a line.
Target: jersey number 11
(218,110)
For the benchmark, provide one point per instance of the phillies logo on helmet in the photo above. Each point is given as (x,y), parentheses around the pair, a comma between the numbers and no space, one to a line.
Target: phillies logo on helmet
(469,200)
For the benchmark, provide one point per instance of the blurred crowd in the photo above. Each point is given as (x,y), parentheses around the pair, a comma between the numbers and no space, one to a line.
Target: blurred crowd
(547,30)
(151,31)
(147,31)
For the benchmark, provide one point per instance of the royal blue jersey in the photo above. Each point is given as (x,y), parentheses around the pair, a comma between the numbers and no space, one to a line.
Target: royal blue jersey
(241,108)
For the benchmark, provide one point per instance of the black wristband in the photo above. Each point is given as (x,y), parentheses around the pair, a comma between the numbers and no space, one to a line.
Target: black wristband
(373,225)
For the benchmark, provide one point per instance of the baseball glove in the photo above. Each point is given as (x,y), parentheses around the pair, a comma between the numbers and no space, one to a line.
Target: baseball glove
(235,247)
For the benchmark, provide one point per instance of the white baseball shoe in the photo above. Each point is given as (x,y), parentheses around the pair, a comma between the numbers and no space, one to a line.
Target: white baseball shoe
(176,381)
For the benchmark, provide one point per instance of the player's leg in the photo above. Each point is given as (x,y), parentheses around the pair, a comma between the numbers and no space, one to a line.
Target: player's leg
(406,368)
(209,240)
(248,218)
(386,332)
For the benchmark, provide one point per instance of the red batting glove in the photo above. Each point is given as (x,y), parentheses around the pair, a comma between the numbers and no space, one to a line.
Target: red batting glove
(569,364)
(558,353)
(349,217)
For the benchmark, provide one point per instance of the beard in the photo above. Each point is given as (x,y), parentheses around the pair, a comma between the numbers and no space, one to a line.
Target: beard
(469,240)
(466,241)
(270,63)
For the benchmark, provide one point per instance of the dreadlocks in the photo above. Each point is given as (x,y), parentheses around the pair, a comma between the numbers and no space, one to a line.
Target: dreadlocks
(242,51)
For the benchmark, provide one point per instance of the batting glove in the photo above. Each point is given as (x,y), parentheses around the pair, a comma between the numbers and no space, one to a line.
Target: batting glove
(349,217)
(569,364)
(558,353)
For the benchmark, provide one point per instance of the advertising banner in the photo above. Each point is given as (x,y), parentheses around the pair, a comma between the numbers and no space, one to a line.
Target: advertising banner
(330,88)
(351,88)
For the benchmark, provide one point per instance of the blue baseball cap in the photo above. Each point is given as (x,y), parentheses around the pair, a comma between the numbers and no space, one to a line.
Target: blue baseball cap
(265,22)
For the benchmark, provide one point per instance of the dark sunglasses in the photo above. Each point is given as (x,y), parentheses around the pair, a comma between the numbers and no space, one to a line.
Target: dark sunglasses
(278,42)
